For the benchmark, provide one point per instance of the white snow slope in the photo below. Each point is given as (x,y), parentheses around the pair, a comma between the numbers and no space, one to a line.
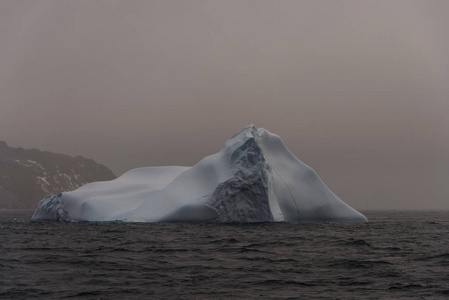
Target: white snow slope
(254,178)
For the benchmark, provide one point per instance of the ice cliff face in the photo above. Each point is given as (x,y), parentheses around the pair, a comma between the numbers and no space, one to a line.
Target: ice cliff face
(244,197)
(254,178)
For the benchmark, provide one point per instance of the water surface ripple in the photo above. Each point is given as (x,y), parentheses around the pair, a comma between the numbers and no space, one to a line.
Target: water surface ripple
(396,255)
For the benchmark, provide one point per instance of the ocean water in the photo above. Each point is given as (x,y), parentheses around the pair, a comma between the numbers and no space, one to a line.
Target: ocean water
(397,255)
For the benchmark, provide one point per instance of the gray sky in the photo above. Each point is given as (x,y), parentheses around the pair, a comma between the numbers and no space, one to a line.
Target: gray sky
(356,89)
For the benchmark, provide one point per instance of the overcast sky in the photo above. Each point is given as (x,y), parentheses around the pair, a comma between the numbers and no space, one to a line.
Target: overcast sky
(356,89)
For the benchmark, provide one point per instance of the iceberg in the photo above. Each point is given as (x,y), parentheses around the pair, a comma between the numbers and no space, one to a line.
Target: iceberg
(254,178)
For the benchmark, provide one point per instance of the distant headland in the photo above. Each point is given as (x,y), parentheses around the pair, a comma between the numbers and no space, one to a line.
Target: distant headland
(27,175)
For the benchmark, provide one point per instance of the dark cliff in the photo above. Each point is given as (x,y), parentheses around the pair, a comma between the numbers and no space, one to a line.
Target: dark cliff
(27,175)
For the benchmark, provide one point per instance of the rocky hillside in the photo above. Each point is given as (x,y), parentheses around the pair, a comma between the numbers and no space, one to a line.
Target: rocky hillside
(26,176)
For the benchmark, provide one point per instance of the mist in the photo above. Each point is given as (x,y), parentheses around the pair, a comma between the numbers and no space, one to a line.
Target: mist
(356,89)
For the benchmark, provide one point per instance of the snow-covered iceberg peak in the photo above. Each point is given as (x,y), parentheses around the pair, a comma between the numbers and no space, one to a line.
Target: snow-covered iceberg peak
(254,178)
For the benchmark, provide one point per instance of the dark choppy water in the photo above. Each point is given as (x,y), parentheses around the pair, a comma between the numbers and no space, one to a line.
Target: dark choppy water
(396,255)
